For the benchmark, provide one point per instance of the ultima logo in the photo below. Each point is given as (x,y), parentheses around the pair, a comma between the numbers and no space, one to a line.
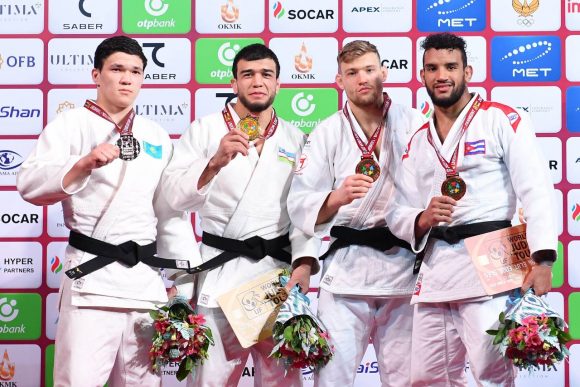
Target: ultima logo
(525,58)
(451,15)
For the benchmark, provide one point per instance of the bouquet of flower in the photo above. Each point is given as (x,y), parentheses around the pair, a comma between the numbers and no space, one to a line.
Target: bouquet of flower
(180,336)
(530,333)
(300,338)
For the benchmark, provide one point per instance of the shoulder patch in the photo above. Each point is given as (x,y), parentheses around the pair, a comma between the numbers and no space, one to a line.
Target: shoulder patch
(512,115)
(406,153)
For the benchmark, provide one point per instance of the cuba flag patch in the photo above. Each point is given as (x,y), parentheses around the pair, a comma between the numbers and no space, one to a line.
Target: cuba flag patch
(475,148)
(155,151)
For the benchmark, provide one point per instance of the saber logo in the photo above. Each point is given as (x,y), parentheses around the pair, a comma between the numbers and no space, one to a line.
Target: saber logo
(82,9)
(156,47)
(156,7)
(525,58)
(302,105)
(8,311)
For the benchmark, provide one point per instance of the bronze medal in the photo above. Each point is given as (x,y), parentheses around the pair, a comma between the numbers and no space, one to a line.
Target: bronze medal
(368,167)
(129,147)
(250,126)
(454,187)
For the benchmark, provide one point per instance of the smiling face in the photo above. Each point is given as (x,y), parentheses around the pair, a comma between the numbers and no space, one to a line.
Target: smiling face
(118,81)
(256,84)
(362,80)
(445,76)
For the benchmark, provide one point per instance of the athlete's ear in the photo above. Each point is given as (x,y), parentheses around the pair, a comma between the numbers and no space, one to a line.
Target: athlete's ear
(468,73)
(95,74)
(234,84)
(339,82)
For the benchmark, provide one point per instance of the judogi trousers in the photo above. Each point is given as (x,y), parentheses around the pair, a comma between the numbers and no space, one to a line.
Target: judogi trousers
(445,334)
(227,359)
(95,345)
(351,321)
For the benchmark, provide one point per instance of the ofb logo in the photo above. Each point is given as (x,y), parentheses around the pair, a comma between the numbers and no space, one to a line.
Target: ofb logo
(157,16)
(305,108)
(215,65)
(451,15)
(525,58)
(20,316)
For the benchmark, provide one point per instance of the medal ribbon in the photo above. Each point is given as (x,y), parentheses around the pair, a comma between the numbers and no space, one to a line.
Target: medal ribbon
(124,127)
(270,129)
(451,166)
(368,148)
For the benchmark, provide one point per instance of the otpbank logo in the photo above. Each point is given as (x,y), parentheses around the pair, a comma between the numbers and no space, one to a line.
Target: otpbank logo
(215,57)
(20,316)
(573,108)
(451,15)
(305,108)
(525,58)
(156,16)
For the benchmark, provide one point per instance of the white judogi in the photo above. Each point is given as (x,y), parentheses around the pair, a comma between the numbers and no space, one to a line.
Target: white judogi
(246,198)
(365,292)
(116,203)
(500,162)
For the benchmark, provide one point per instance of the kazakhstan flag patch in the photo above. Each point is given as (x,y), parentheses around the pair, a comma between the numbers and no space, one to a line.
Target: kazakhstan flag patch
(155,151)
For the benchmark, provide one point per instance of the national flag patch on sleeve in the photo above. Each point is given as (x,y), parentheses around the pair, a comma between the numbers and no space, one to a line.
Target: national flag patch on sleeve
(474,147)
(155,151)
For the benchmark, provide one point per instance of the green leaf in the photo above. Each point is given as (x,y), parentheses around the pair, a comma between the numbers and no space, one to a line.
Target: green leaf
(502,317)
(288,333)
(497,340)
(182,372)
(492,332)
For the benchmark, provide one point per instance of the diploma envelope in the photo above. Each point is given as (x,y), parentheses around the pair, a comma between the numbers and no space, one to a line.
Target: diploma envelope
(252,308)
(502,258)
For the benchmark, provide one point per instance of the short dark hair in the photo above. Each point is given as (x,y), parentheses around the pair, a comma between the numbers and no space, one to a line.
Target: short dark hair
(115,44)
(445,40)
(252,52)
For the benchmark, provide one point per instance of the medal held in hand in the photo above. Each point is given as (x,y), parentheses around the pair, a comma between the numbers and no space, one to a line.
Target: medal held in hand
(367,165)
(250,125)
(454,187)
(129,147)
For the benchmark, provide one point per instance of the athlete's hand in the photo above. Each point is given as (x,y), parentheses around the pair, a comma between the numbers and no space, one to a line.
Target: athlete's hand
(100,156)
(231,144)
(301,275)
(440,209)
(539,278)
(353,187)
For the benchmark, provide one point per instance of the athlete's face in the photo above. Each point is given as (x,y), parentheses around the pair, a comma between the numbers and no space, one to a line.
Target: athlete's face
(445,76)
(256,84)
(362,80)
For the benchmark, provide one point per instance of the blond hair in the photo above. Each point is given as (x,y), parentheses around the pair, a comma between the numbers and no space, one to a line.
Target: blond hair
(356,49)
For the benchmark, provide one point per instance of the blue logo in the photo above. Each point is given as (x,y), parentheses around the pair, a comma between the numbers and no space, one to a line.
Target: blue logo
(525,58)
(573,109)
(10,160)
(451,15)
(155,151)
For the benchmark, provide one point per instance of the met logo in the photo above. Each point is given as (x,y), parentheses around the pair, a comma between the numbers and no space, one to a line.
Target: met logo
(451,15)
(525,58)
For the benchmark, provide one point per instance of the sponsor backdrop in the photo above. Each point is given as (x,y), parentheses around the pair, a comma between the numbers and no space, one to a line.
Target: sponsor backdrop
(524,53)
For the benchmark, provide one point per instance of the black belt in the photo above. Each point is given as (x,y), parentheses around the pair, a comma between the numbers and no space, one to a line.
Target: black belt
(454,234)
(379,238)
(128,253)
(255,247)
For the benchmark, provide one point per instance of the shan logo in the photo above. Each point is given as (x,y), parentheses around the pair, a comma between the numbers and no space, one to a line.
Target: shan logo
(10,160)
(229,12)
(525,58)
(279,11)
(451,15)
(7,368)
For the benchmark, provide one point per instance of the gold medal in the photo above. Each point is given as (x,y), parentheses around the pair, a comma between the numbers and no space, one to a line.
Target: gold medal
(368,167)
(250,125)
(454,187)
